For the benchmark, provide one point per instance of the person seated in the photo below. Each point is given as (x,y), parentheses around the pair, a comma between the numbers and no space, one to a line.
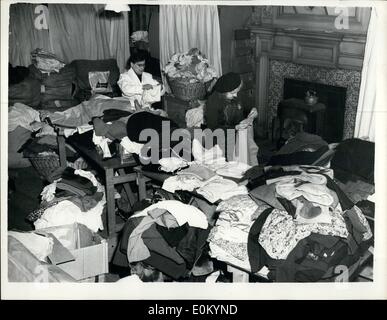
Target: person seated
(224,110)
(140,41)
(136,84)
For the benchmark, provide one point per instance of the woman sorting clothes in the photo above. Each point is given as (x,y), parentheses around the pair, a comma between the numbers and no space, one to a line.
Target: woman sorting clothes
(137,85)
(224,110)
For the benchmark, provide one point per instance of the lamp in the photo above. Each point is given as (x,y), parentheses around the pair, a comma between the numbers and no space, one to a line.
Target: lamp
(117,7)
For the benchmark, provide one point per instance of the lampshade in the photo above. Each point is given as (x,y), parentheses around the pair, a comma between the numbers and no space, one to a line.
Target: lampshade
(117,7)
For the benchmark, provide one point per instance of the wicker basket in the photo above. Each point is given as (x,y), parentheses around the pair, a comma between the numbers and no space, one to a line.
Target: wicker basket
(45,165)
(187,91)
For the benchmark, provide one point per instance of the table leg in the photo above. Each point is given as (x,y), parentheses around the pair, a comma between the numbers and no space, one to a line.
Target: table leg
(141,182)
(128,190)
(238,275)
(110,203)
(62,151)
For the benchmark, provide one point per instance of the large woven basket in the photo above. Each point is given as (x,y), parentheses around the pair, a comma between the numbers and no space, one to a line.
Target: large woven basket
(45,165)
(187,91)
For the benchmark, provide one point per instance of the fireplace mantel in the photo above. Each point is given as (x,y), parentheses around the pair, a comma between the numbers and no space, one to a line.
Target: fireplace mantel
(330,49)
(319,48)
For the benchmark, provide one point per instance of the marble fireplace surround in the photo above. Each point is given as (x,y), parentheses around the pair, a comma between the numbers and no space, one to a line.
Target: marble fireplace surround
(330,58)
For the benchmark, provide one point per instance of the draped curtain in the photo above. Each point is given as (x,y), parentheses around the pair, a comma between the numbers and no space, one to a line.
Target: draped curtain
(365,117)
(75,31)
(23,36)
(183,27)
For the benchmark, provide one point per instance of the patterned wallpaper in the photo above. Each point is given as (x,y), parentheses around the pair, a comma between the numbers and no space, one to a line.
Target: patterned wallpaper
(350,79)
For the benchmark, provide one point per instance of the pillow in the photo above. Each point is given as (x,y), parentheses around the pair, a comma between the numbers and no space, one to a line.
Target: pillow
(84,67)
(99,81)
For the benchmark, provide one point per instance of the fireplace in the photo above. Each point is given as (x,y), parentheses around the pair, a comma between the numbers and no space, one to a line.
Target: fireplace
(331,62)
(333,97)
(338,89)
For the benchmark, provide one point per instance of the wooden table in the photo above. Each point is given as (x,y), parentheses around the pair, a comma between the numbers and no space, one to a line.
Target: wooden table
(145,176)
(110,167)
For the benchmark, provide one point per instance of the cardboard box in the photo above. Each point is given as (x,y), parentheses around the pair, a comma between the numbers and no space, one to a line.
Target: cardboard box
(78,251)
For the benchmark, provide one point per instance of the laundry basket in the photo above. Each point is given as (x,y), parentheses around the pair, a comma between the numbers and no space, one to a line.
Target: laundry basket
(187,91)
(45,164)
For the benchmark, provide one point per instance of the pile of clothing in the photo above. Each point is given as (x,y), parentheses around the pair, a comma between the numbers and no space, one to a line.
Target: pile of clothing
(228,238)
(55,77)
(210,175)
(168,235)
(303,148)
(74,196)
(305,226)
(45,61)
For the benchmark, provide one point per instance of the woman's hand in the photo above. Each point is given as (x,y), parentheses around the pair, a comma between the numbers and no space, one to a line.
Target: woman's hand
(248,121)
(244,124)
(253,113)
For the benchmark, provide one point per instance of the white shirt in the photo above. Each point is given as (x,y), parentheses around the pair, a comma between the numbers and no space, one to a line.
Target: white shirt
(131,86)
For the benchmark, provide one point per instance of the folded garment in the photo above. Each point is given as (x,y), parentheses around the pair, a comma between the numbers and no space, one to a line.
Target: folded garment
(315,193)
(199,171)
(203,155)
(151,96)
(298,179)
(64,184)
(219,188)
(233,169)
(281,233)
(239,208)
(66,212)
(130,146)
(44,205)
(75,183)
(183,213)
(239,190)
(172,164)
(182,182)
(103,146)
(222,254)
(267,194)
(194,117)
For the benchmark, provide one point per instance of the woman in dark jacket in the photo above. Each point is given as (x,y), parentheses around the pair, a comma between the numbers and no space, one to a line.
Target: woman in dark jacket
(223,108)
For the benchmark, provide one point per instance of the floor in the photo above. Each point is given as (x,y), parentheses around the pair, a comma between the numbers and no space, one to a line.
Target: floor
(25,186)
(24,189)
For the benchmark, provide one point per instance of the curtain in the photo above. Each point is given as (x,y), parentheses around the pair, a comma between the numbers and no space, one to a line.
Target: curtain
(183,27)
(27,31)
(71,31)
(76,32)
(117,31)
(365,116)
